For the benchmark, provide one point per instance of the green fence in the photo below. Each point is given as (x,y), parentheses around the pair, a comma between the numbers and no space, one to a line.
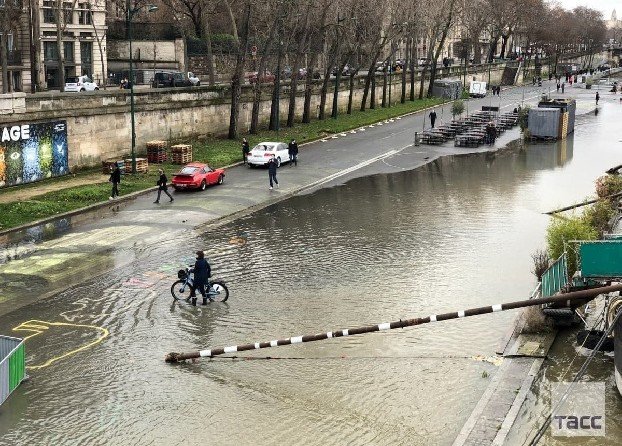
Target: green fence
(12,365)
(601,259)
(556,277)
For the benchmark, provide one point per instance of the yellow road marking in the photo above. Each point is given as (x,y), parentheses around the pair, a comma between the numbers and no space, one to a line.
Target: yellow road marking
(39,327)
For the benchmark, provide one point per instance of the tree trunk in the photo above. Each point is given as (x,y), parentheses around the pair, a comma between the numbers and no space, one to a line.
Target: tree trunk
(504,42)
(383,104)
(404,69)
(35,47)
(366,88)
(4,58)
(275,111)
(324,91)
(425,68)
(492,49)
(293,85)
(439,48)
(372,105)
(351,94)
(477,50)
(236,81)
(234,28)
(413,60)
(306,114)
(60,18)
(257,87)
(208,41)
(101,53)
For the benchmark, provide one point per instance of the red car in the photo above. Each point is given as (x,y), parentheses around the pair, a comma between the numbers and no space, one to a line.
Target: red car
(197,176)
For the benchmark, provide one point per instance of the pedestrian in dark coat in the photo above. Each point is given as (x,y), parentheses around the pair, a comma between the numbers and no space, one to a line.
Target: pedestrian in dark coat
(597,97)
(202,272)
(432,118)
(272,172)
(558,86)
(292,150)
(115,179)
(162,187)
(563,84)
(245,150)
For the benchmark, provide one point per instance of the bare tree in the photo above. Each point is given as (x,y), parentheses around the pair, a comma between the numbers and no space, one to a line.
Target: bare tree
(236,80)
(10,12)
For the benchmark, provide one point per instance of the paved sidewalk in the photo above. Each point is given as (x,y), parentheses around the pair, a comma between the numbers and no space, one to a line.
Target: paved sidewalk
(20,193)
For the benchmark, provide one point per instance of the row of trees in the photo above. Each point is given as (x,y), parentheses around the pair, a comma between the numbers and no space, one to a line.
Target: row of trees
(327,35)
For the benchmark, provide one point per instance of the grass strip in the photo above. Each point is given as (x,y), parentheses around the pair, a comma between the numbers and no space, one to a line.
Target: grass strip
(217,151)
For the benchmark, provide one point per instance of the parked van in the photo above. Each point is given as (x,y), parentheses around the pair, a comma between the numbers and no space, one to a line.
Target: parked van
(477,89)
(163,79)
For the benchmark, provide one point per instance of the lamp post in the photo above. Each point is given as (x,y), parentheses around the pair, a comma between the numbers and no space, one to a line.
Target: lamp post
(130,14)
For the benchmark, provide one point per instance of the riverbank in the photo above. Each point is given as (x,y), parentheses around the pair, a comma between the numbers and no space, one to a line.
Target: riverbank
(23,205)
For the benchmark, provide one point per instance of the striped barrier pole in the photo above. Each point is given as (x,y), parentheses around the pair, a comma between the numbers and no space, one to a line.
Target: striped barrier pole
(566,298)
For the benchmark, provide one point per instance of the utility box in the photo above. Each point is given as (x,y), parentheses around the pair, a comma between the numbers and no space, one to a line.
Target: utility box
(544,122)
(447,89)
(12,365)
(478,89)
(568,106)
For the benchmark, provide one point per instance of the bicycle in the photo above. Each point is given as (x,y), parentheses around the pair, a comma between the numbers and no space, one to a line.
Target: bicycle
(216,289)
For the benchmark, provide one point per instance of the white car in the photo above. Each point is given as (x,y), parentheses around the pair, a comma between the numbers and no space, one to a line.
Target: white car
(262,152)
(80,83)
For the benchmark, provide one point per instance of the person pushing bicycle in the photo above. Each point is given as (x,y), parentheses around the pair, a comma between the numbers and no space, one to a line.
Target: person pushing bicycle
(202,272)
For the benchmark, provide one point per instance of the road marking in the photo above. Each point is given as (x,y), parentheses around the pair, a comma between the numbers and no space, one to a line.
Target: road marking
(334,137)
(353,168)
(352,131)
(323,140)
(343,134)
(39,327)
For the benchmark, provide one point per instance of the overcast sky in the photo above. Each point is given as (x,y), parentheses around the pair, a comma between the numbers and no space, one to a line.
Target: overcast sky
(606,6)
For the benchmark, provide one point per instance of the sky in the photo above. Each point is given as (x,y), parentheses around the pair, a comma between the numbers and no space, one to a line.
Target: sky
(605,6)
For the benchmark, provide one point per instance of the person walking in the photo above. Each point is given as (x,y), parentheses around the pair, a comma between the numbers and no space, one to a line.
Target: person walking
(563,84)
(272,172)
(432,118)
(245,150)
(558,86)
(202,272)
(597,97)
(115,179)
(162,187)
(292,150)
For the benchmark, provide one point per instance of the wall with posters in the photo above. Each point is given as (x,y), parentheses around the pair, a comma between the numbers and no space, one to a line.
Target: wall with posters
(32,152)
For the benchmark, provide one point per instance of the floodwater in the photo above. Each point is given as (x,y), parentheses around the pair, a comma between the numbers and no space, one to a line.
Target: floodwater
(455,234)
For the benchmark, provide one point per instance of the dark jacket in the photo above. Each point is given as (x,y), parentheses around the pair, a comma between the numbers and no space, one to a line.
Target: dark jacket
(293,148)
(245,147)
(162,182)
(272,167)
(202,272)
(115,176)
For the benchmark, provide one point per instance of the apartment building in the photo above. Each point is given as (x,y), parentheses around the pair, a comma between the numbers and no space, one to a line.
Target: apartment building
(32,42)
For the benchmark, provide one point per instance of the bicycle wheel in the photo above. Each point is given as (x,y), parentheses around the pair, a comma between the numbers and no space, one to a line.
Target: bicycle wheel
(219,291)
(180,290)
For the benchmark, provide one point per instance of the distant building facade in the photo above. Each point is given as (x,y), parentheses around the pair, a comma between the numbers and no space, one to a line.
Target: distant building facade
(83,35)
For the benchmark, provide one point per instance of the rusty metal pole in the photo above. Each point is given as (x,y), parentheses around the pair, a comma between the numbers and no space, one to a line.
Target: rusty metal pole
(567,298)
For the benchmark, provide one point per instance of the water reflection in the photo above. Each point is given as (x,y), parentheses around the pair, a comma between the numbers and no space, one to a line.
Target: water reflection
(454,234)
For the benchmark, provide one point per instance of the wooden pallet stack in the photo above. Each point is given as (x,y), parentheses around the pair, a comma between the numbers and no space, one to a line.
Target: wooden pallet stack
(156,151)
(142,165)
(109,165)
(181,153)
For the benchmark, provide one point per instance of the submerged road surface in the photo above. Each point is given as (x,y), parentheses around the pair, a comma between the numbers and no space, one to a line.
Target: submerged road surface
(384,241)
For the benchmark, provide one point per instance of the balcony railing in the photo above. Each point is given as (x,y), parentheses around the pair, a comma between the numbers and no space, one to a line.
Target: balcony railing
(15,57)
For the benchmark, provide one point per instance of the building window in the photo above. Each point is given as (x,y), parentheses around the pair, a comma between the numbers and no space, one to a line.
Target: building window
(86,56)
(85,16)
(48,12)
(68,51)
(68,12)
(50,51)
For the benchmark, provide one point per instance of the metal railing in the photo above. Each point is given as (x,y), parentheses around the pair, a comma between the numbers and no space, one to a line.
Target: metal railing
(12,365)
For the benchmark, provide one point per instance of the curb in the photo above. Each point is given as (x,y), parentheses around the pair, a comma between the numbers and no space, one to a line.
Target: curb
(136,194)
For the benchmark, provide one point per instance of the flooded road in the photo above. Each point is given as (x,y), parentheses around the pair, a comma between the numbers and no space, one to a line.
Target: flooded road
(454,234)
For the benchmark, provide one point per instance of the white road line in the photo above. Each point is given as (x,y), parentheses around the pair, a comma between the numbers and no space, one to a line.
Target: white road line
(334,137)
(343,134)
(323,140)
(353,168)
(352,131)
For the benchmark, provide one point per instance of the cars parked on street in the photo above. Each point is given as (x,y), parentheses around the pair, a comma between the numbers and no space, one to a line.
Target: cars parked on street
(346,71)
(165,79)
(266,77)
(197,176)
(262,152)
(80,83)
(287,73)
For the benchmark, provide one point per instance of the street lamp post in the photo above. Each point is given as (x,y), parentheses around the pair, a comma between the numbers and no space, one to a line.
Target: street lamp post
(130,14)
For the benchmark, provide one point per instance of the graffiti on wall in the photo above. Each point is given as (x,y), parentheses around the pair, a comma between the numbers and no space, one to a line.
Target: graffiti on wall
(32,152)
